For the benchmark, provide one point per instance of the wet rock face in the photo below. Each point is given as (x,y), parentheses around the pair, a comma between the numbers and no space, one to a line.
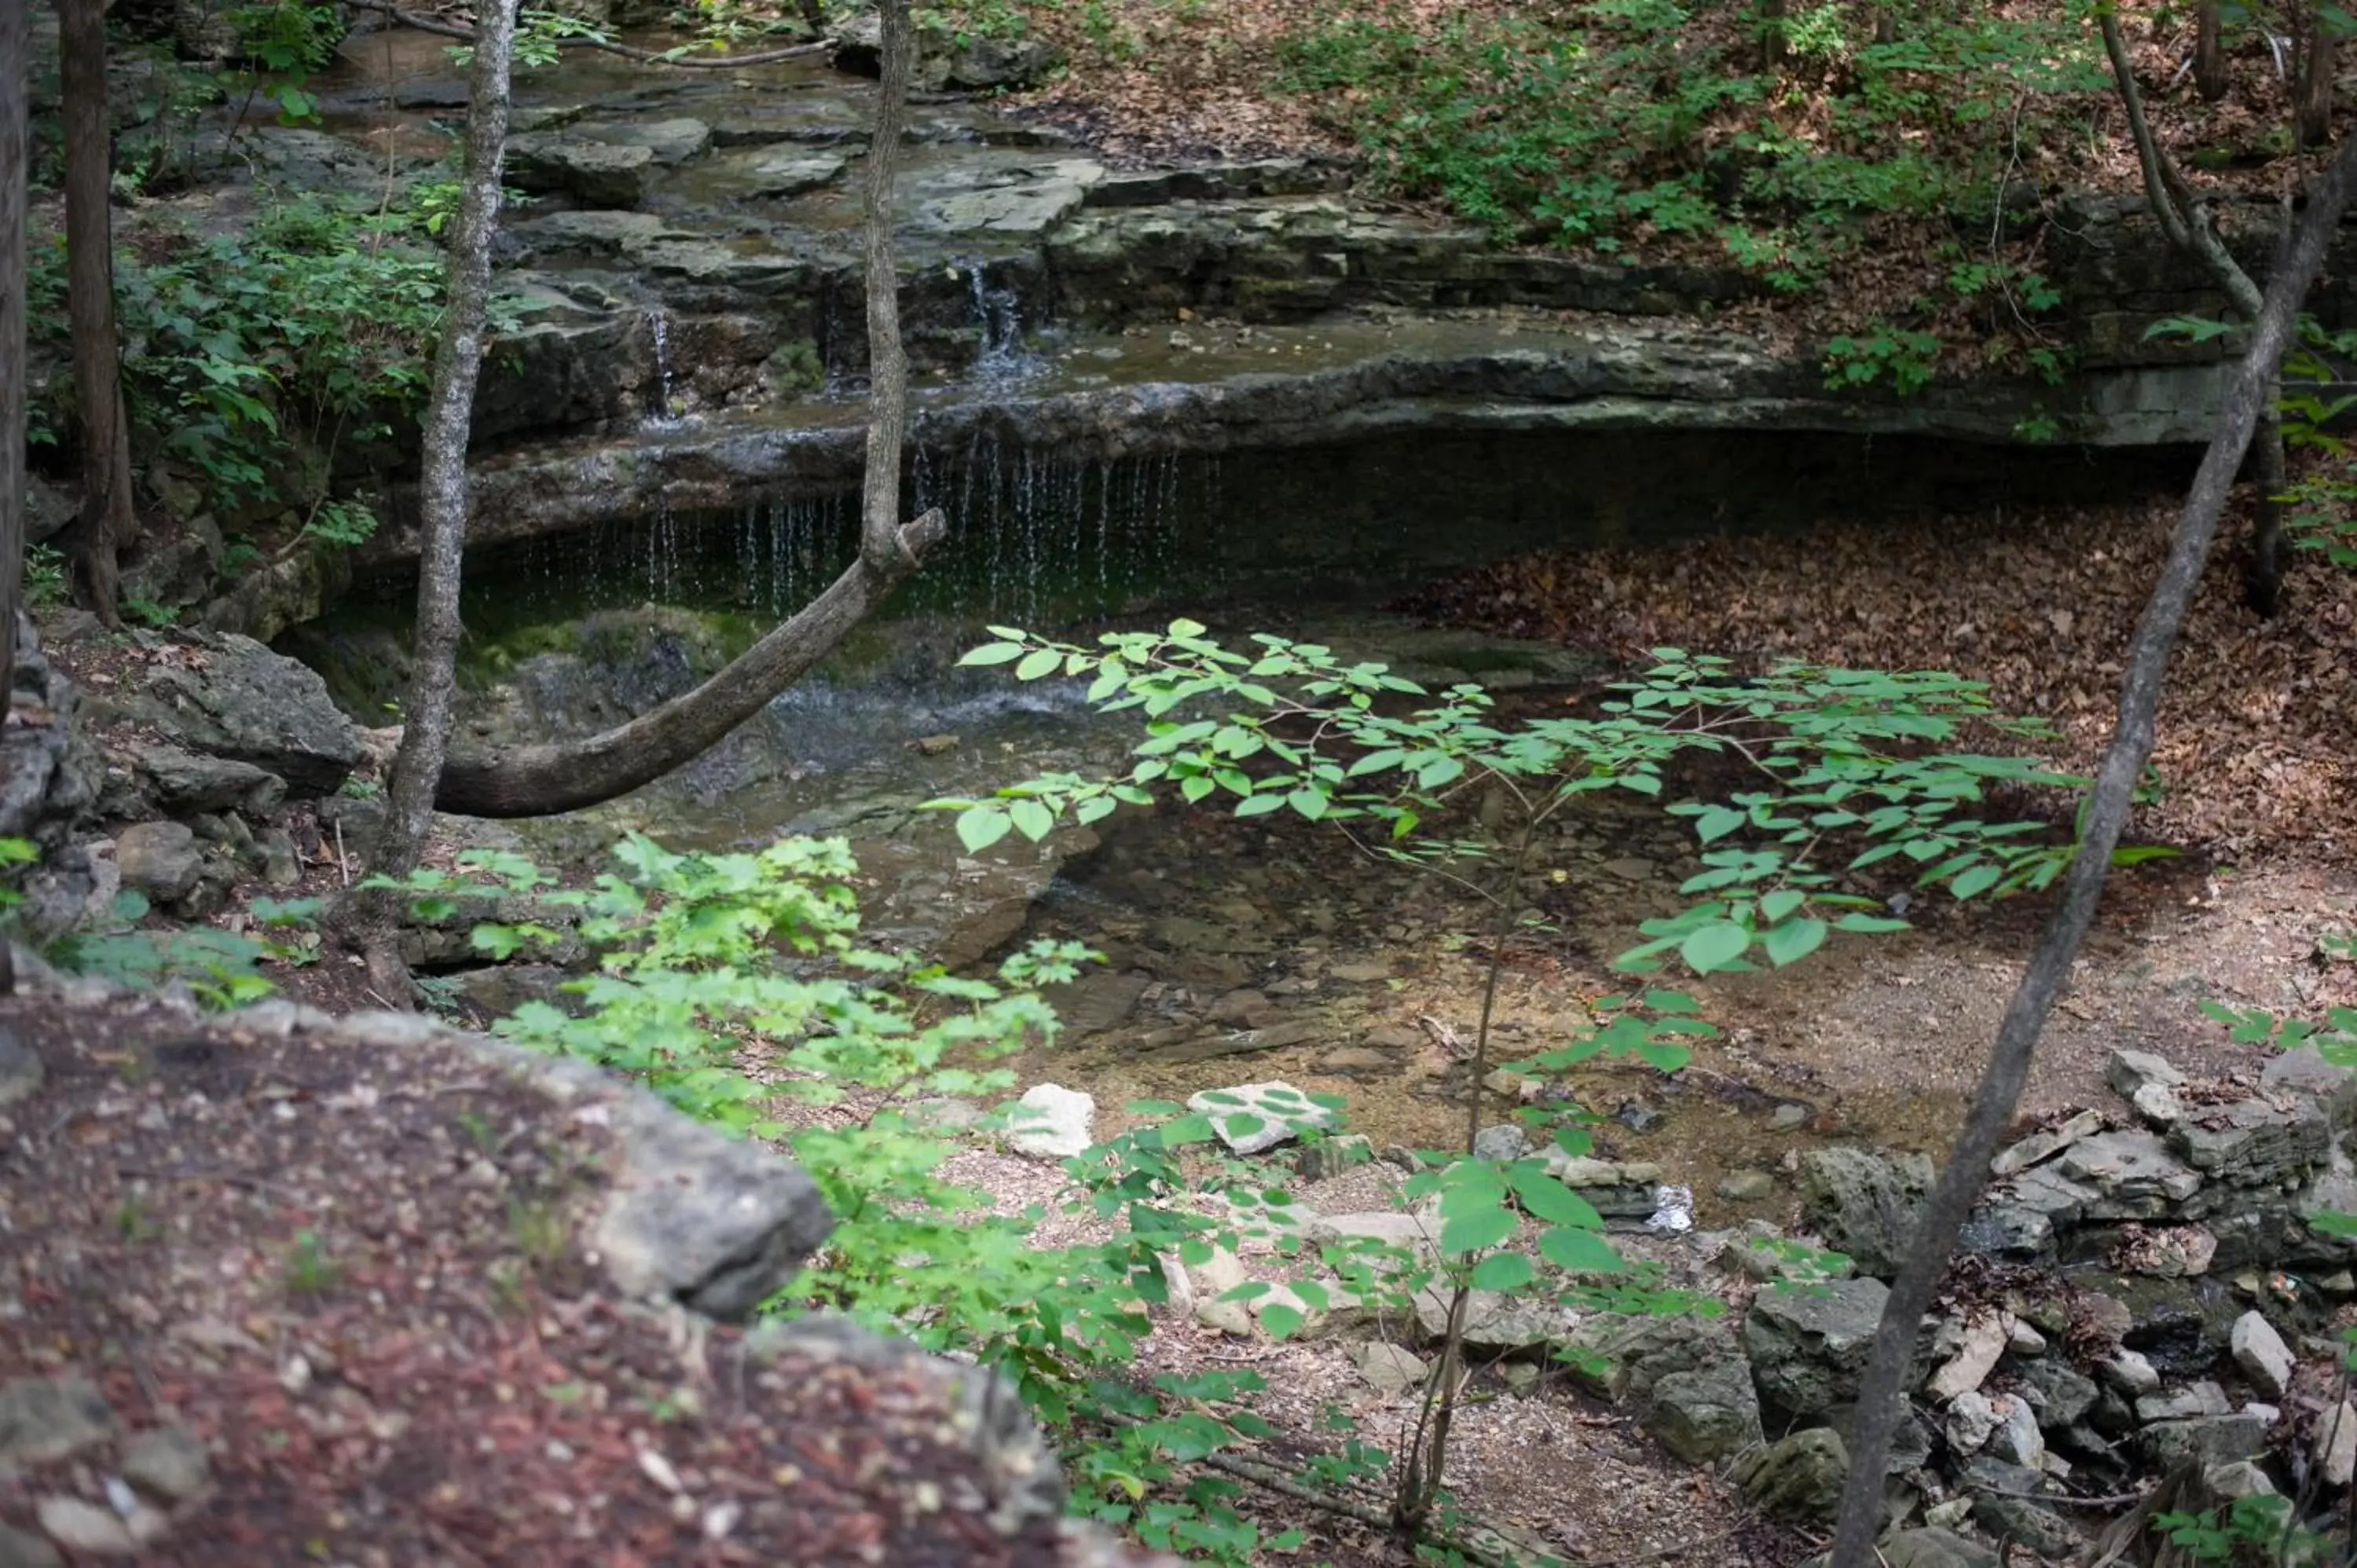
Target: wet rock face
(233,698)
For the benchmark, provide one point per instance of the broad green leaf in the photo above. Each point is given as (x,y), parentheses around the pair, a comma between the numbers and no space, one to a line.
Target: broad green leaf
(1715,822)
(979,827)
(1714,947)
(1310,803)
(993,653)
(1665,1055)
(1776,905)
(1038,663)
(1549,1199)
(1868,923)
(1793,940)
(1032,819)
(1472,1232)
(1583,1251)
(1977,879)
(1503,1271)
(1280,1321)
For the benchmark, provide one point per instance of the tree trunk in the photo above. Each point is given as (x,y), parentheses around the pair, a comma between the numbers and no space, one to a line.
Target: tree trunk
(2250,394)
(107,526)
(15,159)
(2312,99)
(2208,53)
(536,780)
(2186,222)
(1772,34)
(449,419)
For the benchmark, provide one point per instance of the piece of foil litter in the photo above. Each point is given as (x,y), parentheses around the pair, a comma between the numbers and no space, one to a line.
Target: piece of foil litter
(1673,1210)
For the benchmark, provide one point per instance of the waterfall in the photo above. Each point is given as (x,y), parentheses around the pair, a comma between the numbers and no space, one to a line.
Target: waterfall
(659,327)
(999,319)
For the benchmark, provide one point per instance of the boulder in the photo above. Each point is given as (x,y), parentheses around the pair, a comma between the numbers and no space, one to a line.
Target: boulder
(1808,1345)
(1798,1478)
(1934,1548)
(159,861)
(1252,1117)
(234,698)
(1051,1122)
(184,782)
(596,174)
(2261,1355)
(672,141)
(1707,1413)
(2207,1439)
(2132,1175)
(1864,1203)
(1390,1368)
(1620,1356)
(2333,1444)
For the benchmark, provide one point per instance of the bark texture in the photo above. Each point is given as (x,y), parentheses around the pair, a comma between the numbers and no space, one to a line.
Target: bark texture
(14,150)
(1961,1179)
(449,420)
(2313,86)
(2209,52)
(530,781)
(107,525)
(2184,217)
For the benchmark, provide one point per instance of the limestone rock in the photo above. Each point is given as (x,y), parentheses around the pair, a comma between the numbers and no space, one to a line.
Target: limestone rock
(2047,1533)
(2200,1398)
(1251,1118)
(18,1550)
(2208,1439)
(2332,1444)
(1864,1203)
(46,1418)
(1979,1345)
(21,1071)
(237,699)
(1808,1346)
(1798,1478)
(1935,1548)
(159,861)
(2128,1372)
(2261,1355)
(183,781)
(1972,1418)
(2016,1439)
(672,141)
(2040,1146)
(1051,1122)
(1390,1368)
(1616,1356)
(2132,1174)
(1505,1141)
(2127,1071)
(169,1461)
(1321,1158)
(596,174)
(1707,1413)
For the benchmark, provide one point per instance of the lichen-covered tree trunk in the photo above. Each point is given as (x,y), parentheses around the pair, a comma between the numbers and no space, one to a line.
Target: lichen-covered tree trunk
(2209,52)
(535,780)
(15,44)
(449,420)
(107,526)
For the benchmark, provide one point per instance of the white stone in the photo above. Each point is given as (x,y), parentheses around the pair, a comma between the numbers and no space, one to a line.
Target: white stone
(1971,1419)
(2129,1071)
(2045,1145)
(1051,1122)
(2332,1446)
(1252,1117)
(1983,1340)
(2025,1340)
(1390,1367)
(2129,1372)
(2016,1439)
(2261,1355)
(85,1527)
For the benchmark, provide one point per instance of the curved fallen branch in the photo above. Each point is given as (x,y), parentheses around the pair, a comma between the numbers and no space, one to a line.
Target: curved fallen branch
(440,28)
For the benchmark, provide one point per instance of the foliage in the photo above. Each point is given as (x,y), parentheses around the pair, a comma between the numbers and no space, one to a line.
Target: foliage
(2323,513)
(288,42)
(251,357)
(1849,769)
(45,576)
(1882,352)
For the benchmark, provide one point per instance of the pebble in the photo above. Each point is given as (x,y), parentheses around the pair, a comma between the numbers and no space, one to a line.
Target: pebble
(169,1461)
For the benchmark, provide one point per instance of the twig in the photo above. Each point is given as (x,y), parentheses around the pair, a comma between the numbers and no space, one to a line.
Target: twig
(440,28)
(1442,1035)
(342,865)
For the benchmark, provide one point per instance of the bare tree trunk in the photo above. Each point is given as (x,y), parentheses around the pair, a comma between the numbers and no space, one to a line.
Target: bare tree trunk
(2208,53)
(1772,34)
(1961,1179)
(536,780)
(449,420)
(2312,88)
(15,159)
(107,526)
(2185,219)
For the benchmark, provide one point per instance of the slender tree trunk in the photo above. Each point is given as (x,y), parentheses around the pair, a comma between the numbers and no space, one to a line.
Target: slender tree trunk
(14,158)
(2312,86)
(1961,1179)
(2185,220)
(2208,53)
(1772,34)
(449,420)
(107,526)
(536,780)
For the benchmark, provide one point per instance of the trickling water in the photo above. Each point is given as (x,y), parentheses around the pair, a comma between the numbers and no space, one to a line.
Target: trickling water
(997,316)
(658,325)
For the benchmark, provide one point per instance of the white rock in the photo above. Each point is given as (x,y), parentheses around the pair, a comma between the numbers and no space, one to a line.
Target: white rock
(2260,1351)
(1983,1340)
(2025,1340)
(2242,1478)
(2129,1372)
(1390,1367)
(1251,1117)
(1051,1122)
(2129,1071)
(2045,1145)
(85,1527)
(1971,1419)
(2332,1446)
(2016,1439)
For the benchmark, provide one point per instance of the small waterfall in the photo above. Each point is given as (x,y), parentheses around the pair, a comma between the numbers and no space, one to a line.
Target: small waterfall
(997,316)
(658,327)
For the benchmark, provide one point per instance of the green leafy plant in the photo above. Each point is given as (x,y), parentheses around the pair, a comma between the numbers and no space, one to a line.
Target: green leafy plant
(1901,357)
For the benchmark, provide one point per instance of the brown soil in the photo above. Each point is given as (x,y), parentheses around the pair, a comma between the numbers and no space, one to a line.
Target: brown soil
(354,1277)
